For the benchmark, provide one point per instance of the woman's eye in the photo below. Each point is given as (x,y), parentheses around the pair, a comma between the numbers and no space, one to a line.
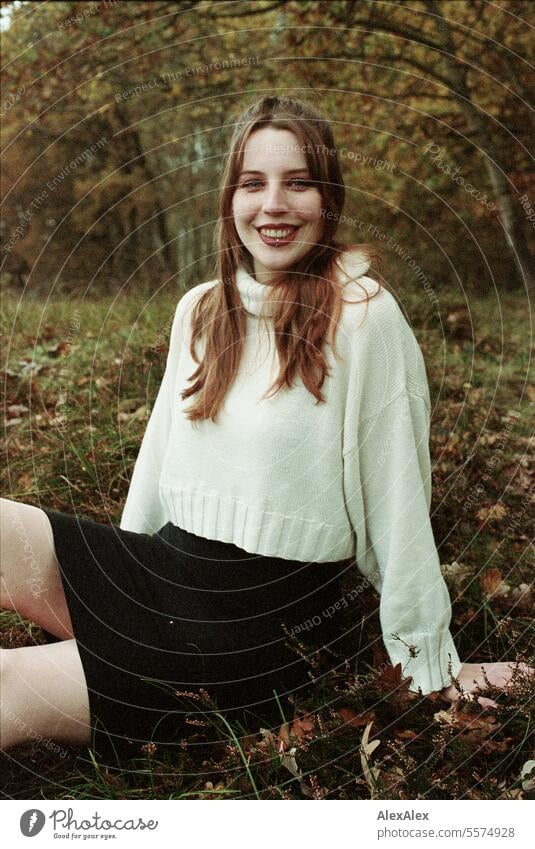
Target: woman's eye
(301,184)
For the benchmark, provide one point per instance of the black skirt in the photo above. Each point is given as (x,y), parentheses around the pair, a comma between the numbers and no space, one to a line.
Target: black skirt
(158,619)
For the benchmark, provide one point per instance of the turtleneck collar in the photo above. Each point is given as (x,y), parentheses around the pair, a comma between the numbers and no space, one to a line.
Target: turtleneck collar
(253,293)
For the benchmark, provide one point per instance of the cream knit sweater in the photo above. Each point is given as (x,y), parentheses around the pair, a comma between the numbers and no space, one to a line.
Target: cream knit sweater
(288,477)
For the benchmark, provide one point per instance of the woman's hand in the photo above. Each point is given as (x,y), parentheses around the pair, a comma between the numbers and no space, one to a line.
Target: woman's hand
(472,679)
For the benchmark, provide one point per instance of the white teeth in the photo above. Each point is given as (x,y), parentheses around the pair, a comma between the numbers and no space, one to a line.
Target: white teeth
(276,234)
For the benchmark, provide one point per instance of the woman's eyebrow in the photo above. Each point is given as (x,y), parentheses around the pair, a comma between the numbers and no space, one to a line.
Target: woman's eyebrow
(292,171)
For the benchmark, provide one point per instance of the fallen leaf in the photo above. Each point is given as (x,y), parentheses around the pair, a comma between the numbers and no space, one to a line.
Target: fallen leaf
(493,584)
(527,774)
(129,405)
(356,720)
(459,323)
(472,727)
(288,761)
(444,716)
(455,572)
(392,682)
(16,410)
(467,616)
(371,773)
(303,726)
(521,598)
(140,414)
(406,734)
(500,746)
(493,513)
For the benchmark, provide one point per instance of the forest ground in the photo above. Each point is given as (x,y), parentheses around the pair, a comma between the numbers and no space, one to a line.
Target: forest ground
(78,380)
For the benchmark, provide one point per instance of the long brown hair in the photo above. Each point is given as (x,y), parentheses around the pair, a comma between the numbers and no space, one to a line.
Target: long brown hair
(307,303)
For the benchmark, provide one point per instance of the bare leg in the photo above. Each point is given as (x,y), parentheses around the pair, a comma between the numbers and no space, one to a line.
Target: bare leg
(44,695)
(30,580)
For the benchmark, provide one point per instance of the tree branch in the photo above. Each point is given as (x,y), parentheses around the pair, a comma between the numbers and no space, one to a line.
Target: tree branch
(247,12)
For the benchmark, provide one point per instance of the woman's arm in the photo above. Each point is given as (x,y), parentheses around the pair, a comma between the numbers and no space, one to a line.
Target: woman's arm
(389,476)
(390,469)
(143,511)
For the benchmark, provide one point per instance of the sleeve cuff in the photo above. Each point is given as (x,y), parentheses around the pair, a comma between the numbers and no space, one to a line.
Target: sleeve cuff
(429,666)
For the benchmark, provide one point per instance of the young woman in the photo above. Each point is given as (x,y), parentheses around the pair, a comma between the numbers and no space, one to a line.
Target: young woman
(288,442)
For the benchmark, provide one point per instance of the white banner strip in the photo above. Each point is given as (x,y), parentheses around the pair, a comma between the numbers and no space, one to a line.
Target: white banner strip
(467,824)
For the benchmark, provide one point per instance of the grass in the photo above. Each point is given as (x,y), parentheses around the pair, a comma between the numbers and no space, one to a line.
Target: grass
(80,381)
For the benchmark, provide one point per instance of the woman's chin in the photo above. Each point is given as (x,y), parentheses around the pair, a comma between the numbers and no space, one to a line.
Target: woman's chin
(274,259)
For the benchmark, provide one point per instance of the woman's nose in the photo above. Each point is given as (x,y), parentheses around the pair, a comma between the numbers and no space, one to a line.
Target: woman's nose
(275,198)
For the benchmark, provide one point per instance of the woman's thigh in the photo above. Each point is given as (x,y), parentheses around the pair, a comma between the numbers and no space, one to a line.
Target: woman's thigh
(31,580)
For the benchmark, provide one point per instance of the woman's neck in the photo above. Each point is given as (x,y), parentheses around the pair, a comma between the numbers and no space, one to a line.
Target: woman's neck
(255,294)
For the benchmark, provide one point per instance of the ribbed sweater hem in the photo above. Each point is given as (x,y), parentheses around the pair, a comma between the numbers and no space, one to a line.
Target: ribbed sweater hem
(257,530)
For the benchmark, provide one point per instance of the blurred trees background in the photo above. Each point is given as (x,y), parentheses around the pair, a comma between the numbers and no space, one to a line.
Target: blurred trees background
(116,118)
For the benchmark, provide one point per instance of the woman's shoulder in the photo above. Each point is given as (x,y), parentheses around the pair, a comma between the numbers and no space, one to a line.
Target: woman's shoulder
(381,342)
(364,295)
(190,297)
(370,309)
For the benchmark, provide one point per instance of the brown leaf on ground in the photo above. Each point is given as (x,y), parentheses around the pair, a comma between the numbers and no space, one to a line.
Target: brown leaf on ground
(302,727)
(391,680)
(467,616)
(501,746)
(435,696)
(406,734)
(349,717)
(493,584)
(472,727)
(494,512)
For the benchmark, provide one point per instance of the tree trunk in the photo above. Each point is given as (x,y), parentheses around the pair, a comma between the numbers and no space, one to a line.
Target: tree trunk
(509,213)
(161,233)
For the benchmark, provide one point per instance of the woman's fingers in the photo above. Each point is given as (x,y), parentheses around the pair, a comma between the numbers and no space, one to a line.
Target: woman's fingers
(486,703)
(500,675)
(475,678)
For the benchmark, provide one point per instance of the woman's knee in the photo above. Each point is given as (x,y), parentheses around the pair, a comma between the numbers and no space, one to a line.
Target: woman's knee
(44,695)
(30,580)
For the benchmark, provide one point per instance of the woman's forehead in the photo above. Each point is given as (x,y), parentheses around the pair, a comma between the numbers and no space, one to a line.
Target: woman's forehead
(270,147)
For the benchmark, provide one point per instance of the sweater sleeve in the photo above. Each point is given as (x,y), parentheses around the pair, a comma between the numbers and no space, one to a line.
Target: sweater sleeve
(388,479)
(143,511)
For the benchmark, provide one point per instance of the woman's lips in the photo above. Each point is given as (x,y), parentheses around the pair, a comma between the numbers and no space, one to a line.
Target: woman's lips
(274,242)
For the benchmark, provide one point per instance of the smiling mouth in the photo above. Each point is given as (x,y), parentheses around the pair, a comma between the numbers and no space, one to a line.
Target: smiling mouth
(276,236)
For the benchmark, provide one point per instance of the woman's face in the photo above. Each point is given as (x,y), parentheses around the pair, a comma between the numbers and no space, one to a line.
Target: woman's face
(276,212)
